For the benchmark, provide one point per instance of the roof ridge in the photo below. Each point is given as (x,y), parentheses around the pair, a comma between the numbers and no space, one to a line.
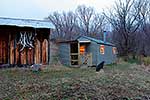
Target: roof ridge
(24,19)
(26,22)
(97,40)
(93,38)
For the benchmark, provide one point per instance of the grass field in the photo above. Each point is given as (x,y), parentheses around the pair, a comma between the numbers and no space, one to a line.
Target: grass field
(115,82)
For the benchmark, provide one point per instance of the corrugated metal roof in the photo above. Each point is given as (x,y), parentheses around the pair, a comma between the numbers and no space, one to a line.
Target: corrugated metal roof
(97,41)
(86,39)
(83,40)
(26,23)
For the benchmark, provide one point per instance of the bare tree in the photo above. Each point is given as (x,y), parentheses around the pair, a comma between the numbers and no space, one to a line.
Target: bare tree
(126,19)
(55,18)
(85,21)
(69,24)
(65,24)
(85,15)
(97,25)
(90,22)
(143,36)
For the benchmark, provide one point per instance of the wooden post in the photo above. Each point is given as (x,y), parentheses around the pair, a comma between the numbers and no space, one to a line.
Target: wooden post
(15,50)
(79,60)
(0,51)
(19,55)
(34,48)
(49,44)
(45,51)
(37,52)
(27,57)
(9,41)
(3,51)
(41,51)
(33,55)
(91,59)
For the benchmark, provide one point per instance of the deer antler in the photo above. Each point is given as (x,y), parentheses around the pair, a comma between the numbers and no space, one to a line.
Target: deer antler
(26,40)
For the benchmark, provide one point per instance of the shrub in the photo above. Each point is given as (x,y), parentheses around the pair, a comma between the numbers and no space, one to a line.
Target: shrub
(131,61)
(146,61)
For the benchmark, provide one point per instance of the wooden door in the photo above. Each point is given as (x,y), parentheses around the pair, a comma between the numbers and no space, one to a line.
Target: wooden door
(74,54)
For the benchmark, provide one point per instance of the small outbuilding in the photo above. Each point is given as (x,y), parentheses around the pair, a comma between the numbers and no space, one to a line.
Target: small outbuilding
(86,51)
(24,41)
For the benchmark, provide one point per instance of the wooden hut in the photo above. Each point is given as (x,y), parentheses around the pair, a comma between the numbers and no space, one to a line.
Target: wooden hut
(24,41)
(86,51)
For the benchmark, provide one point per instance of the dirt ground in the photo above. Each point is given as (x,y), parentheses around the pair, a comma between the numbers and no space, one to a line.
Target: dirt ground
(115,82)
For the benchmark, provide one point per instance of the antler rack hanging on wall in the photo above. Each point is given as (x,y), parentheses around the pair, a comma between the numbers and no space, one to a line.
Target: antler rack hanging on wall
(26,40)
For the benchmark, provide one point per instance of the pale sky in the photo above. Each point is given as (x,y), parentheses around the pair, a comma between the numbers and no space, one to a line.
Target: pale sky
(39,9)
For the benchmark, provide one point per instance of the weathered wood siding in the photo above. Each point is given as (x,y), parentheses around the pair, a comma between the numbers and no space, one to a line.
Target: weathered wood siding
(64,53)
(45,52)
(108,56)
(12,52)
(37,52)
(23,57)
(29,56)
(54,53)
(3,50)
(10,49)
(93,49)
(97,57)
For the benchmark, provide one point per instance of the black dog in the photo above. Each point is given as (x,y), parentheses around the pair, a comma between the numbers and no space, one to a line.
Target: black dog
(100,66)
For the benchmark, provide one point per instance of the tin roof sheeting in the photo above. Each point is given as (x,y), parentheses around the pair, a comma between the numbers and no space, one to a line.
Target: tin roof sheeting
(83,40)
(95,40)
(86,39)
(26,23)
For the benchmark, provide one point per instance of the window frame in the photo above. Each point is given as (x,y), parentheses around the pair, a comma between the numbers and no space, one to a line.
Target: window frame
(102,49)
(114,50)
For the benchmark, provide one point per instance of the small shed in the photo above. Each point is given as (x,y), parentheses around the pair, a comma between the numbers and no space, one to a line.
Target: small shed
(86,51)
(24,41)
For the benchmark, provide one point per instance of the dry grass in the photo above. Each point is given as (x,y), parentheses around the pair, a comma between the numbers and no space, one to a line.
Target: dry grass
(62,83)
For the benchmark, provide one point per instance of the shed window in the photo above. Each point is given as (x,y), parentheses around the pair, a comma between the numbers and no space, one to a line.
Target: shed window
(114,49)
(82,49)
(102,49)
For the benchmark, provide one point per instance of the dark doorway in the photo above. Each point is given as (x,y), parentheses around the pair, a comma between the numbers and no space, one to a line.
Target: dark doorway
(74,53)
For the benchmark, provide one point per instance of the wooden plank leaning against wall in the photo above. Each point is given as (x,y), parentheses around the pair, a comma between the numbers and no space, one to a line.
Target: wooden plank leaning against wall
(10,48)
(30,56)
(3,47)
